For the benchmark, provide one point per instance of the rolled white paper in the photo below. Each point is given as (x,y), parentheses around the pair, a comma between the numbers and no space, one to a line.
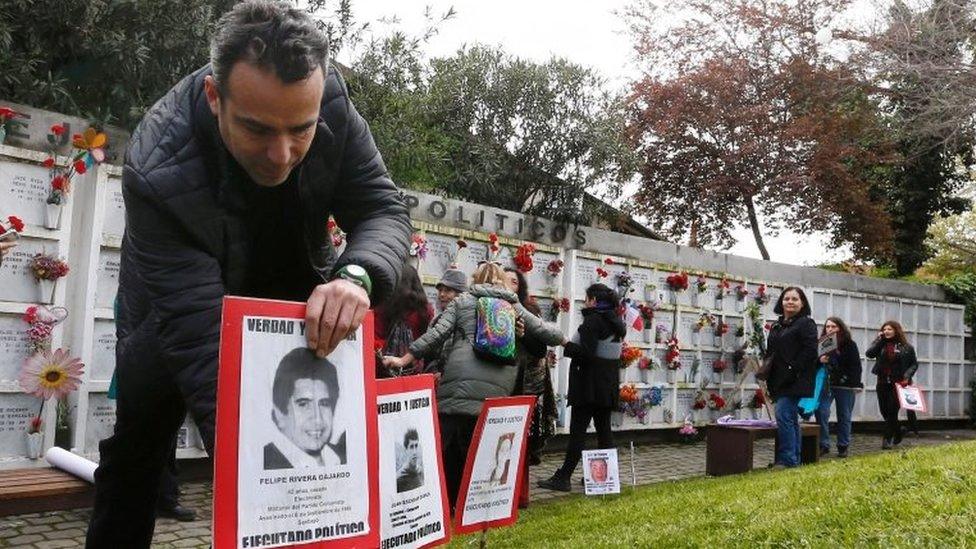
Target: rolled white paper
(71,463)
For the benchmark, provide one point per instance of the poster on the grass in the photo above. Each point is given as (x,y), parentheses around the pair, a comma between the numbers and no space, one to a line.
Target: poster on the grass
(911,398)
(414,509)
(296,455)
(488,495)
(600,472)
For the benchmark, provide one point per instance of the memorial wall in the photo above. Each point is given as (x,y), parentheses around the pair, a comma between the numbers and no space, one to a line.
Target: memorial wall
(88,231)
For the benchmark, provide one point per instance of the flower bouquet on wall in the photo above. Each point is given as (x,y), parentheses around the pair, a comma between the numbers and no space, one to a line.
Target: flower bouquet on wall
(647,315)
(687,432)
(677,283)
(650,293)
(701,287)
(88,151)
(721,290)
(699,406)
(756,403)
(715,405)
(661,334)
(553,270)
(721,328)
(8,117)
(762,295)
(718,368)
(672,359)
(624,282)
(47,269)
(523,258)
(559,305)
(628,355)
(741,294)
(48,375)
(705,320)
(418,248)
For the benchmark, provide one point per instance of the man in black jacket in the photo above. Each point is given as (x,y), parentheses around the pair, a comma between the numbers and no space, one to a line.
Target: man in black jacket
(228,183)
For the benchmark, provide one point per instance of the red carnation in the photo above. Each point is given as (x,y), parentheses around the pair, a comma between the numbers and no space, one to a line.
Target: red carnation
(80,167)
(30,315)
(16,223)
(48,162)
(7,113)
(330,224)
(608,261)
(59,183)
(58,129)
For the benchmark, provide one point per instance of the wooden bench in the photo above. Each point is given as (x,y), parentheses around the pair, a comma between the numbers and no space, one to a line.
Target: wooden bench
(42,489)
(729,448)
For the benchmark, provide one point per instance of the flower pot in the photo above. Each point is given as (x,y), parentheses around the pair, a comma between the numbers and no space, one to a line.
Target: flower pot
(673,297)
(716,377)
(52,216)
(695,299)
(645,375)
(740,305)
(658,337)
(672,375)
(649,292)
(623,375)
(644,419)
(3,133)
(45,290)
(719,300)
(717,341)
(34,443)
(648,335)
(616,419)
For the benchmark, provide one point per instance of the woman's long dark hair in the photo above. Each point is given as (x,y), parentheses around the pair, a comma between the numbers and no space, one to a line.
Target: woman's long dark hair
(409,296)
(899,331)
(603,295)
(843,334)
(523,292)
(804,311)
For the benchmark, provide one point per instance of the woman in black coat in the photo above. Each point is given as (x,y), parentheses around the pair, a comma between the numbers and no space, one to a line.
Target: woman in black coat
(792,347)
(594,379)
(895,364)
(844,366)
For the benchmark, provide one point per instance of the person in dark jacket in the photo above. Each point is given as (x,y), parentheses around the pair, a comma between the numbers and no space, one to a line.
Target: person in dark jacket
(402,320)
(895,364)
(228,183)
(844,368)
(792,346)
(533,373)
(593,378)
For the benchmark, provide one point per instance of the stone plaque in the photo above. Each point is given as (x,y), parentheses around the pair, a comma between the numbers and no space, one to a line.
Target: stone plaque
(838,306)
(892,310)
(18,282)
(16,409)
(103,351)
(820,305)
(875,314)
(939,318)
(924,346)
(686,328)
(24,189)
(113,224)
(440,248)
(107,278)
(856,311)
(472,255)
(538,278)
(908,316)
(100,420)
(937,403)
(923,376)
(955,406)
(954,348)
(682,409)
(954,376)
(955,324)
(13,346)
(585,275)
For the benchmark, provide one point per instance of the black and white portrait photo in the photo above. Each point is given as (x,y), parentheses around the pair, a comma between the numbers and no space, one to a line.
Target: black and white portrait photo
(410,463)
(305,393)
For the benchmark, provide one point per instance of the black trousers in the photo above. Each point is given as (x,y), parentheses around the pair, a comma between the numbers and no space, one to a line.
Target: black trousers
(888,405)
(456,433)
(149,412)
(578,424)
(912,421)
(169,485)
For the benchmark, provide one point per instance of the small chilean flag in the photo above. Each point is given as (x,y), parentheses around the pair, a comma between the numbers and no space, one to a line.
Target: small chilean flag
(632,316)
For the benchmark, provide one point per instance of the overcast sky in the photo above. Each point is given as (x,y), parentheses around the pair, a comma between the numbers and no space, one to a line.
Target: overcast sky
(585,32)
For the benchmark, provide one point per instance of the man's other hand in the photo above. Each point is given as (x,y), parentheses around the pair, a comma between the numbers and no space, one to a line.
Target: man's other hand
(334,310)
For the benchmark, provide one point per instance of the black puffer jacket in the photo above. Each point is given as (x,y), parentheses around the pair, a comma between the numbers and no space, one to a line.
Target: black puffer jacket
(594,377)
(186,247)
(904,365)
(845,367)
(793,346)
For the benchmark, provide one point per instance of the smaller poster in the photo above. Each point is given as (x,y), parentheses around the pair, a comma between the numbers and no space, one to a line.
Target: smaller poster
(601,474)
(414,510)
(911,398)
(493,476)
(827,344)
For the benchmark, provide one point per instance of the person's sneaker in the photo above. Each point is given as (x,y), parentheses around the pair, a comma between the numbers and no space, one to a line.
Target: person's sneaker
(886,444)
(776,467)
(555,482)
(824,450)
(842,451)
(178,512)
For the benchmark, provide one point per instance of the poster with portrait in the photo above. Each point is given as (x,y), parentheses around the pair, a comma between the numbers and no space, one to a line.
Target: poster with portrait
(827,344)
(492,480)
(911,397)
(414,510)
(296,456)
(601,473)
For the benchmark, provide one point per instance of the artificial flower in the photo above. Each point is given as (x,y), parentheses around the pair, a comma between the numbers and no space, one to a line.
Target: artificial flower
(48,374)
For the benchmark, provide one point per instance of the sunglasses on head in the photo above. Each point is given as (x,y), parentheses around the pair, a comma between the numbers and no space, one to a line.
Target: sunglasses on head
(483,261)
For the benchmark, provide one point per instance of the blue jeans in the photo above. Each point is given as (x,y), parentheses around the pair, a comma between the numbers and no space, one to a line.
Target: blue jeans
(845,407)
(788,431)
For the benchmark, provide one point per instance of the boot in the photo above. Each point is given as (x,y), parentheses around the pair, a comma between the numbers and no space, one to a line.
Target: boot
(886,444)
(842,451)
(555,482)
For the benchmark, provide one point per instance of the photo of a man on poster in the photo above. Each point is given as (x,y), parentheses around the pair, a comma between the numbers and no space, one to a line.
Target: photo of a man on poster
(305,393)
(503,459)
(410,466)
(598,469)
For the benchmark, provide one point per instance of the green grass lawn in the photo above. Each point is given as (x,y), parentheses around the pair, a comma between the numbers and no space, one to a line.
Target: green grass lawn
(920,497)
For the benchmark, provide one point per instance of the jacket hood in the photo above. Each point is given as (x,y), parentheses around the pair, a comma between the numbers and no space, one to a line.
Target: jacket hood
(609,317)
(487,290)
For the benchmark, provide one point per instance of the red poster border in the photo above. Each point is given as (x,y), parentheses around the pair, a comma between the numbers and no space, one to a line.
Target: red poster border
(407,384)
(921,392)
(469,465)
(225,531)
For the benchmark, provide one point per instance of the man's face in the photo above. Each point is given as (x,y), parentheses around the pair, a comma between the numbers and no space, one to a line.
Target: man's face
(308,420)
(598,470)
(413,447)
(266,125)
(445,295)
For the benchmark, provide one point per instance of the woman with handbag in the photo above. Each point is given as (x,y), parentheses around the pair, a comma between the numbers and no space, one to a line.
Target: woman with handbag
(844,370)
(895,364)
(790,364)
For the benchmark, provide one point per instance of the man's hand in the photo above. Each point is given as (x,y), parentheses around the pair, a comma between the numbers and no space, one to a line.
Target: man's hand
(5,248)
(334,310)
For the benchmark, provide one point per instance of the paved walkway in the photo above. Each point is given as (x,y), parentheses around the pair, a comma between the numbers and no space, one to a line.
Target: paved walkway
(652,463)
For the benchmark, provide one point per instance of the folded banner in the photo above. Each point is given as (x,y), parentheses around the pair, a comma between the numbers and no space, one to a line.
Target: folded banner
(493,471)
(296,460)
(912,398)
(414,510)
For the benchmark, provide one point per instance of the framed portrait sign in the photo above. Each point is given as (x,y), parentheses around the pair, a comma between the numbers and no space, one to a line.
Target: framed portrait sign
(601,474)
(492,479)
(911,397)
(295,461)
(414,510)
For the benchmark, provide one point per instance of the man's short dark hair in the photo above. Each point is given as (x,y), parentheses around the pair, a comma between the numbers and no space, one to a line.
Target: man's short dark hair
(301,363)
(411,434)
(270,35)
